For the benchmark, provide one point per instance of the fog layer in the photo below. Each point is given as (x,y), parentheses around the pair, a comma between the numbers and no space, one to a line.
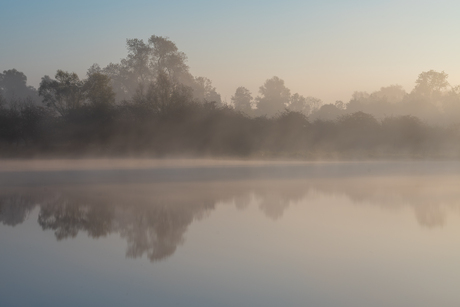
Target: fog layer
(149,104)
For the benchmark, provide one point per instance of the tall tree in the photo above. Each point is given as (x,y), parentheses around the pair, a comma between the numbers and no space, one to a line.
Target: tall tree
(13,86)
(203,91)
(307,105)
(275,97)
(64,93)
(431,85)
(166,57)
(144,63)
(242,100)
(98,91)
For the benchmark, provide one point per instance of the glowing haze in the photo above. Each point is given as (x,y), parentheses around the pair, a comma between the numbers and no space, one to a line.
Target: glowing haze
(327,49)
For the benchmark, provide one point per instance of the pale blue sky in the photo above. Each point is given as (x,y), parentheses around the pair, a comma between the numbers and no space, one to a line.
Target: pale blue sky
(326,49)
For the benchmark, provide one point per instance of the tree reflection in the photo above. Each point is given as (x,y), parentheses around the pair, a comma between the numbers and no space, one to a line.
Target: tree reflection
(154,217)
(14,208)
(67,216)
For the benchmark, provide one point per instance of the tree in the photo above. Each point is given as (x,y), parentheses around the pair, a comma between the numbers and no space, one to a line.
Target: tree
(242,100)
(328,112)
(203,91)
(63,94)
(307,106)
(138,60)
(162,97)
(13,86)
(299,104)
(386,101)
(2,101)
(144,63)
(392,94)
(98,91)
(358,130)
(166,57)
(431,85)
(275,97)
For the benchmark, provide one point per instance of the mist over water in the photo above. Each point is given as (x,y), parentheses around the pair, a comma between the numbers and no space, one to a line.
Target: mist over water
(341,233)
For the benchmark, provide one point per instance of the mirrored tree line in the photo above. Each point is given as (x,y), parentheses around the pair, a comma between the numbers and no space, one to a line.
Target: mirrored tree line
(154,218)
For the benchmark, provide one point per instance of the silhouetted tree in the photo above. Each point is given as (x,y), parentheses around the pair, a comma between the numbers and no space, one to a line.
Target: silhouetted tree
(204,91)
(291,132)
(63,94)
(404,133)
(328,112)
(165,57)
(242,100)
(275,97)
(358,131)
(430,85)
(13,87)
(98,91)
(145,61)
(298,103)
(307,105)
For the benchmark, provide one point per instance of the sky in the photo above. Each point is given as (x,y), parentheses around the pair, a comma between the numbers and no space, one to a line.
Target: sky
(327,49)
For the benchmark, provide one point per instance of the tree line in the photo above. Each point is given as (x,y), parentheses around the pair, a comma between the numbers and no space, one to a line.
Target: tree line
(150,104)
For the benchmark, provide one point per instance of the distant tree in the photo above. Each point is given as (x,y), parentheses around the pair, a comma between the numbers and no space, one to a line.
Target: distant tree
(291,134)
(98,91)
(431,84)
(275,97)
(328,112)
(307,105)
(358,130)
(166,57)
(2,100)
(64,93)
(392,94)
(404,132)
(123,82)
(340,105)
(203,91)
(450,106)
(357,121)
(387,101)
(162,97)
(298,103)
(143,64)
(242,100)
(138,60)
(427,99)
(13,86)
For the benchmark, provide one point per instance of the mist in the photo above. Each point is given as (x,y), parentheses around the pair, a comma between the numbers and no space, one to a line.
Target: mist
(150,105)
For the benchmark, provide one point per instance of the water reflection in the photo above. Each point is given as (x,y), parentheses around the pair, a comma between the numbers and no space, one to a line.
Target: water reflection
(153,217)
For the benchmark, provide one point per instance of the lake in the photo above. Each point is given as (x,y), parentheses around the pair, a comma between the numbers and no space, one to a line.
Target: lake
(229,233)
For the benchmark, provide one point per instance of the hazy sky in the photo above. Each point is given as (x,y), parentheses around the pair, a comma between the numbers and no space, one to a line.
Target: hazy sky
(326,49)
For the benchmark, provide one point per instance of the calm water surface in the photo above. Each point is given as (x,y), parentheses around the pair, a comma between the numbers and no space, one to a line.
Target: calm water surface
(276,234)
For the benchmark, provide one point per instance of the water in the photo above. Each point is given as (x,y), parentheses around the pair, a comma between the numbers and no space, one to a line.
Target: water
(231,234)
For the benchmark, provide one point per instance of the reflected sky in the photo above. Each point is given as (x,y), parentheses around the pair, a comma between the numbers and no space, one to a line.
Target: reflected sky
(374,234)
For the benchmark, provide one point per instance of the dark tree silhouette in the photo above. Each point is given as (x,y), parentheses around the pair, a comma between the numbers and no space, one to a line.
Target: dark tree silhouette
(63,94)
(242,100)
(275,97)
(13,87)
